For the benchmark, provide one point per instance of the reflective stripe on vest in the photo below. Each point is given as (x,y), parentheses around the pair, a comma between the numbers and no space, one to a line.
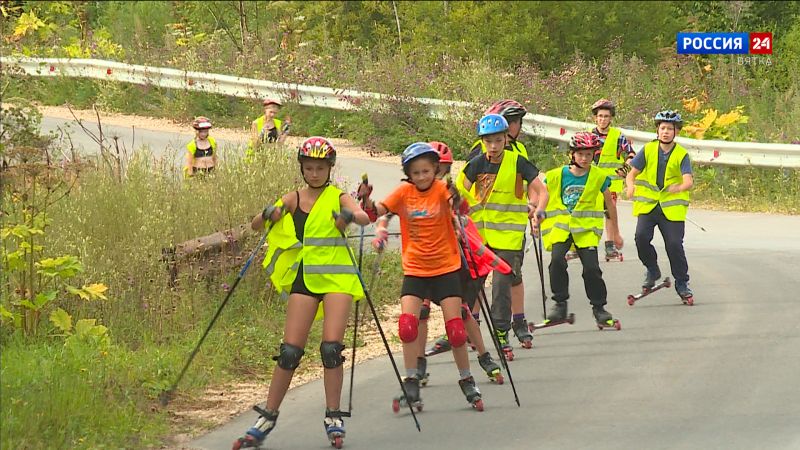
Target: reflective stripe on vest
(610,162)
(585,223)
(503,219)
(646,193)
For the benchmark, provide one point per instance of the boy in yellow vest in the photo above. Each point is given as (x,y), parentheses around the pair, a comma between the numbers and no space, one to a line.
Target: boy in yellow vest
(500,210)
(267,128)
(614,157)
(574,214)
(658,184)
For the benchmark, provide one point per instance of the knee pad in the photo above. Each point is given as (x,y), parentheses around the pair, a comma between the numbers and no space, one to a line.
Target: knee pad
(409,327)
(456,333)
(465,311)
(331,353)
(425,312)
(289,357)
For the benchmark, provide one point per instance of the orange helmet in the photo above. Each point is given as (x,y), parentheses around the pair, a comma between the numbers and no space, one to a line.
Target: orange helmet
(445,155)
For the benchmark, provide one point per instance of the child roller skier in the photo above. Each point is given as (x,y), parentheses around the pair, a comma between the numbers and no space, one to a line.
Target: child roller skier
(307,258)
(469,285)
(658,184)
(501,213)
(574,214)
(431,265)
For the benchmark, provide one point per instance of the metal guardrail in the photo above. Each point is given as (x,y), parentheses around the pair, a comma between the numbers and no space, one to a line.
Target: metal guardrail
(551,128)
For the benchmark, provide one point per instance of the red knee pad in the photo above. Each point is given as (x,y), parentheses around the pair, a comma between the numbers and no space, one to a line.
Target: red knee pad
(409,327)
(456,333)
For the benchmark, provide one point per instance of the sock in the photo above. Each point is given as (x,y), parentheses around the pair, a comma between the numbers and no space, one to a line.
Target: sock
(464,373)
(519,317)
(411,373)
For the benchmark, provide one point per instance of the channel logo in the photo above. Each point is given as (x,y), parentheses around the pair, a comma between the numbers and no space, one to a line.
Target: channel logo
(724,43)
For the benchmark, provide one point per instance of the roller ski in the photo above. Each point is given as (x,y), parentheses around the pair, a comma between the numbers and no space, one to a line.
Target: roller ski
(441,345)
(684,292)
(558,316)
(411,386)
(604,319)
(255,436)
(525,337)
(491,368)
(334,427)
(422,370)
(612,253)
(505,346)
(471,392)
(649,286)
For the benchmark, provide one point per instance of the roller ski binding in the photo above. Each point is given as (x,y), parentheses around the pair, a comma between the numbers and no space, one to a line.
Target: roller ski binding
(422,370)
(686,294)
(255,436)
(604,319)
(649,286)
(334,427)
(441,345)
(471,392)
(524,335)
(612,253)
(505,346)
(558,316)
(411,386)
(491,368)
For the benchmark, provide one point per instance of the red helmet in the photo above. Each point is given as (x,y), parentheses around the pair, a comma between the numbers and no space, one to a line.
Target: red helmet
(317,148)
(584,140)
(445,155)
(604,103)
(272,101)
(510,109)
(201,123)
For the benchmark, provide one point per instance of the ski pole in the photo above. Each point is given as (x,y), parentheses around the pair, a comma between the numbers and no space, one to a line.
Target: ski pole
(378,324)
(484,306)
(695,224)
(166,396)
(364,180)
(540,263)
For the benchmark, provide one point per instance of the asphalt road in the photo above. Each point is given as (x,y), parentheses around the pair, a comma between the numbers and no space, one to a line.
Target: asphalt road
(723,374)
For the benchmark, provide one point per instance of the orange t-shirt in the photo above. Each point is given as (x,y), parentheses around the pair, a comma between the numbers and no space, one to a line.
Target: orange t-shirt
(430,247)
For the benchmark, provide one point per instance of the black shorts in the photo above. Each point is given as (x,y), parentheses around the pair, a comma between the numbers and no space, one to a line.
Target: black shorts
(299,285)
(435,288)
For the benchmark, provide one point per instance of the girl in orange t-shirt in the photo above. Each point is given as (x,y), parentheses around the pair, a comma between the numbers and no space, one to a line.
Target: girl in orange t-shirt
(431,264)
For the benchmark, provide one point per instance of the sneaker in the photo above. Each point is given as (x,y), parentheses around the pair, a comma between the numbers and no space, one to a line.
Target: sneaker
(650,278)
(683,289)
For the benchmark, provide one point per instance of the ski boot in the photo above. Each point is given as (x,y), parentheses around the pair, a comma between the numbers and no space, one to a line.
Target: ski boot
(440,346)
(505,346)
(422,370)
(491,368)
(604,319)
(612,252)
(334,426)
(411,386)
(650,279)
(633,298)
(525,337)
(471,392)
(558,312)
(685,292)
(255,436)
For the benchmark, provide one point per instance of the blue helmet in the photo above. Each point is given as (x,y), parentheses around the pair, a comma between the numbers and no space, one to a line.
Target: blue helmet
(492,124)
(669,116)
(415,150)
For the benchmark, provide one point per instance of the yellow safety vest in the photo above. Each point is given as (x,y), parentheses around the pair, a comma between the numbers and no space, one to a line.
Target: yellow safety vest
(609,161)
(262,136)
(647,195)
(191,147)
(585,223)
(502,217)
(327,267)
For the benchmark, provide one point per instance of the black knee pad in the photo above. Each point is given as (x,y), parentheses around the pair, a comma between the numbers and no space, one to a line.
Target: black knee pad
(425,312)
(331,353)
(289,357)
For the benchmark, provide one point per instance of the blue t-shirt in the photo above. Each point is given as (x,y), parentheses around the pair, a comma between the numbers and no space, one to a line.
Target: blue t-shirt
(572,187)
(639,162)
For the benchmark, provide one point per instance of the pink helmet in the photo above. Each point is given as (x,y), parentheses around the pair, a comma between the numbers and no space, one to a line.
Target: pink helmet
(584,140)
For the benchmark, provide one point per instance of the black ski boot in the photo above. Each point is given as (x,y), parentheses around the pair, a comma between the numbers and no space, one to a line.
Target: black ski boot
(505,346)
(471,392)
(255,436)
(558,312)
(491,368)
(411,386)
(525,337)
(422,370)
(650,278)
(604,318)
(334,427)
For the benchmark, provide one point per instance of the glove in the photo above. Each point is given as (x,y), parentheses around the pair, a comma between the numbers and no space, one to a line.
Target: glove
(381,238)
(623,171)
(267,213)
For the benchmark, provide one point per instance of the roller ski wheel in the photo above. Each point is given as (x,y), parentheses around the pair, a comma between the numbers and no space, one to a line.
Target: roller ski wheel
(442,345)
(509,352)
(570,319)
(614,323)
(334,427)
(491,368)
(633,298)
(689,301)
(471,392)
